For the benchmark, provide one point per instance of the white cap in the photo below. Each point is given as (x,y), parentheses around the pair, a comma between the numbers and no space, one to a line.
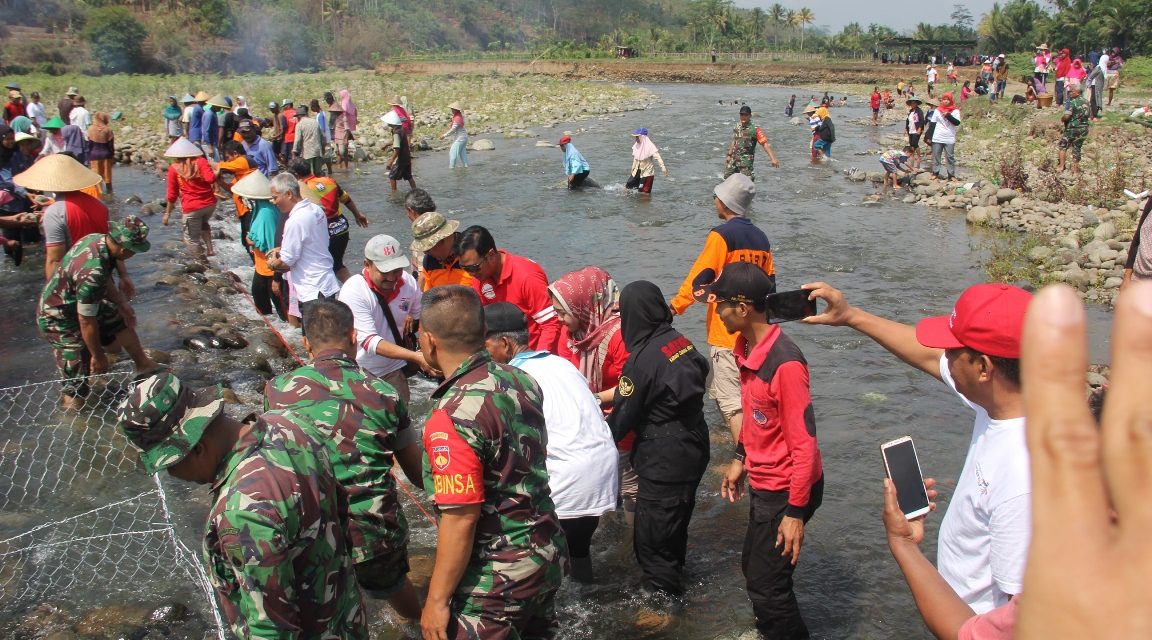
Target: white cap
(384,251)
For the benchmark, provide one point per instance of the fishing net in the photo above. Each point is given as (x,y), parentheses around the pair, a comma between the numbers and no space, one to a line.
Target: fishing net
(80,522)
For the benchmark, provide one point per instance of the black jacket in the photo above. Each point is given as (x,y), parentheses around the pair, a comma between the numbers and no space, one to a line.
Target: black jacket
(660,395)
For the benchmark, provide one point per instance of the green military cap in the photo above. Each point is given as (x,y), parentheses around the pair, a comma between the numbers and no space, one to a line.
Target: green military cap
(130,233)
(164,419)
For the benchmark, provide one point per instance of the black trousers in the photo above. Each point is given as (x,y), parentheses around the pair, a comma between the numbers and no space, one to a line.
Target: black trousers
(660,534)
(578,179)
(262,294)
(769,574)
(245,227)
(579,533)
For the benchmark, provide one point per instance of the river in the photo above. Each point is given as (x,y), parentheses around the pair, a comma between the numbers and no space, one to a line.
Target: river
(900,261)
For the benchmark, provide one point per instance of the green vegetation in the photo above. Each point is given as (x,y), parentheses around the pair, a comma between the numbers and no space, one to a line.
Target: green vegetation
(115,36)
(1004,256)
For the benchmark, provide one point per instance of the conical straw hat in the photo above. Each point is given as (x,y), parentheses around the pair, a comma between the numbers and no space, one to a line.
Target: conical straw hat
(183,148)
(202,96)
(218,101)
(454,106)
(254,185)
(57,173)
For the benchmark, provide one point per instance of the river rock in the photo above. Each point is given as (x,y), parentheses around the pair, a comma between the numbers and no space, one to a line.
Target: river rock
(194,267)
(1113,283)
(158,356)
(544,143)
(42,620)
(1105,231)
(1039,254)
(232,340)
(98,622)
(1074,276)
(483,144)
(977,215)
(270,340)
(910,199)
(1006,195)
(200,343)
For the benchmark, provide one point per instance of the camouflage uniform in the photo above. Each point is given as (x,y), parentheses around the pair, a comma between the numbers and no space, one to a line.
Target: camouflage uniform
(742,152)
(485,444)
(361,420)
(77,288)
(274,547)
(1076,129)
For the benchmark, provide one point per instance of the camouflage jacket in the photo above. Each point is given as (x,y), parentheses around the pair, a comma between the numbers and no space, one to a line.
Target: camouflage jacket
(742,151)
(275,550)
(485,444)
(362,421)
(1078,115)
(78,286)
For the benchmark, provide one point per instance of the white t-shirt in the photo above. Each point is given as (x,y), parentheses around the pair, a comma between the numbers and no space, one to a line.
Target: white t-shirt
(36,113)
(372,326)
(932,73)
(82,118)
(985,533)
(581,454)
(304,248)
(945,132)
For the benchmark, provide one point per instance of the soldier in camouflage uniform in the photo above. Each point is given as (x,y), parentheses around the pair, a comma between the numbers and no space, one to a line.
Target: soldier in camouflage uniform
(1075,129)
(274,542)
(84,315)
(500,551)
(361,420)
(742,151)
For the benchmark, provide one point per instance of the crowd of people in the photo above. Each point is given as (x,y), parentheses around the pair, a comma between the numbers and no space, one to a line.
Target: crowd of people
(559,400)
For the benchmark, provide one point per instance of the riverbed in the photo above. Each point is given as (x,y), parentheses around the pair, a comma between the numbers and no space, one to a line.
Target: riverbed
(898,260)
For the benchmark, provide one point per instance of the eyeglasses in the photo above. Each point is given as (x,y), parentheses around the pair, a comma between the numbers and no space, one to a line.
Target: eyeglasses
(475,268)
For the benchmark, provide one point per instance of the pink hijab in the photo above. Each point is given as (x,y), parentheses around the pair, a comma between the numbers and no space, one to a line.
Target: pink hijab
(643,148)
(349,110)
(591,296)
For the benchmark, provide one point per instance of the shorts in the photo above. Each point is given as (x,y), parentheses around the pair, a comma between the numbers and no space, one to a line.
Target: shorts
(73,360)
(875,109)
(889,168)
(914,140)
(383,576)
(1076,143)
(725,387)
(400,172)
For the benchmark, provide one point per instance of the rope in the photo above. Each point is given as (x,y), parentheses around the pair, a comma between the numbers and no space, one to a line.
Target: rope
(236,284)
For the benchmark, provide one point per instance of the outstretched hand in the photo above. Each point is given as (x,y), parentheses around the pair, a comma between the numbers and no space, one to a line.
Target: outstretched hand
(1081,472)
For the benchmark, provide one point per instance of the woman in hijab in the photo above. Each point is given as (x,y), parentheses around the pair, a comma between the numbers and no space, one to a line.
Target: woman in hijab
(405,118)
(349,111)
(75,143)
(660,398)
(826,131)
(341,135)
(587,303)
(102,148)
(458,154)
(22,124)
(1076,73)
(645,156)
(172,126)
(54,137)
(192,180)
(946,119)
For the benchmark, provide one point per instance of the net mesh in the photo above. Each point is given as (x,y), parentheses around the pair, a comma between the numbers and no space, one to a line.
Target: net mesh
(81,521)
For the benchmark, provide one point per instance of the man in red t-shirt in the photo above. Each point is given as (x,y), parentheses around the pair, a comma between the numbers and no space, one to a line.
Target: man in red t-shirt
(874,102)
(504,277)
(777,451)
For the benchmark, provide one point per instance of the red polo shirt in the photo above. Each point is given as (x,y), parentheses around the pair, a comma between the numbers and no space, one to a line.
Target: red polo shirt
(523,283)
(779,432)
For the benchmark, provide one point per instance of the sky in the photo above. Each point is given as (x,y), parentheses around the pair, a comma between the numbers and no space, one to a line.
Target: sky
(898,14)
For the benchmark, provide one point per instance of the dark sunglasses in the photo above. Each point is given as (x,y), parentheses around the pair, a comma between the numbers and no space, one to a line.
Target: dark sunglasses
(475,268)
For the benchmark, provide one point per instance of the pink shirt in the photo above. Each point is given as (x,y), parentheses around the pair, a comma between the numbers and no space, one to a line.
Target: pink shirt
(997,624)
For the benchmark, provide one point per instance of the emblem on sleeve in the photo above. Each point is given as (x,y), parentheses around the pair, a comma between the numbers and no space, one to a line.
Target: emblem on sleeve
(626,386)
(441,457)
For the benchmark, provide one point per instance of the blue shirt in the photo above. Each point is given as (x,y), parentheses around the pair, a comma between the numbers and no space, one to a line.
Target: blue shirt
(194,122)
(209,128)
(261,153)
(322,119)
(574,162)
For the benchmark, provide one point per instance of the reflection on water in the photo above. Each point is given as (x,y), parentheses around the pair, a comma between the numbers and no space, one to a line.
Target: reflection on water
(901,261)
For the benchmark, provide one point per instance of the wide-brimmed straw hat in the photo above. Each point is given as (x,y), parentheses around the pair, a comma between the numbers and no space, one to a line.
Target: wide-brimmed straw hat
(396,102)
(202,96)
(57,173)
(911,100)
(72,91)
(218,100)
(1043,47)
(809,109)
(255,185)
(183,148)
(454,106)
(392,119)
(21,137)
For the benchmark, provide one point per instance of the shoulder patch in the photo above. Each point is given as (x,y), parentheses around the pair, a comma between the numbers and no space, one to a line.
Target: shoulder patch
(626,386)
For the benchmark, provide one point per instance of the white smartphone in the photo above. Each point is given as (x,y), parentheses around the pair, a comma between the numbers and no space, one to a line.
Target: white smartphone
(903,467)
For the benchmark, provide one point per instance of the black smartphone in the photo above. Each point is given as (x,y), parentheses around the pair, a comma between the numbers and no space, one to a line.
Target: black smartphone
(789,306)
(903,467)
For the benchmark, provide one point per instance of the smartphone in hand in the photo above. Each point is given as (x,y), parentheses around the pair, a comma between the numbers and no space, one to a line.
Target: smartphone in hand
(789,306)
(903,467)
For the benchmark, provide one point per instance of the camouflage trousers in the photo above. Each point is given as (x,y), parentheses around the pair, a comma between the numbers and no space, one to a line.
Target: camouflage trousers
(740,167)
(72,356)
(527,614)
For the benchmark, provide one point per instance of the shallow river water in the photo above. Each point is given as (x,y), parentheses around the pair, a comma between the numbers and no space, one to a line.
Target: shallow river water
(901,261)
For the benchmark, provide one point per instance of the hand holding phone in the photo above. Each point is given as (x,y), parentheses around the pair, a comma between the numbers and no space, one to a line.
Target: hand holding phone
(903,469)
(790,305)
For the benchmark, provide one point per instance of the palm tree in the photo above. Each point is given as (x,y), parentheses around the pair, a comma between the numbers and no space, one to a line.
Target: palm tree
(790,18)
(803,18)
(757,26)
(776,17)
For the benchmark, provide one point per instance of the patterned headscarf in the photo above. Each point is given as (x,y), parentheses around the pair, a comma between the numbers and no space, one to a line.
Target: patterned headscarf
(591,296)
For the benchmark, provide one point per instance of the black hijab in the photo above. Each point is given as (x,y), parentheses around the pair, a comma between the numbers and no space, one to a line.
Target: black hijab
(644,315)
(6,153)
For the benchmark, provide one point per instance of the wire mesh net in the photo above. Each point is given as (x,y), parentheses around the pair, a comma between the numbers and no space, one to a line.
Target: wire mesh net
(81,521)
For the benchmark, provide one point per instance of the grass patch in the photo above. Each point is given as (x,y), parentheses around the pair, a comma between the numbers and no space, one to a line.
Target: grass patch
(1004,257)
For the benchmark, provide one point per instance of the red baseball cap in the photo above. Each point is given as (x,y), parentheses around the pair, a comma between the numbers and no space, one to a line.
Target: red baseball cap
(988,318)
(565,140)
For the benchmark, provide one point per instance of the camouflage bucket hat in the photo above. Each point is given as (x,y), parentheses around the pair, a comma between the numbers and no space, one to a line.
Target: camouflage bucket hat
(164,419)
(430,228)
(130,233)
